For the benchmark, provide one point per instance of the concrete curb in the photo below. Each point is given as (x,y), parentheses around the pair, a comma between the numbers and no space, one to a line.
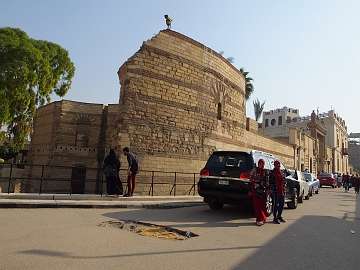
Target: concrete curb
(93,197)
(14,203)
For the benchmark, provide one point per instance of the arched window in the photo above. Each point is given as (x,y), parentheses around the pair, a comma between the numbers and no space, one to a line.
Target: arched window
(219,111)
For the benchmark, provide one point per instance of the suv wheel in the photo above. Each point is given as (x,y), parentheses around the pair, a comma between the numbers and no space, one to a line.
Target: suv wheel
(294,202)
(268,204)
(215,204)
(301,198)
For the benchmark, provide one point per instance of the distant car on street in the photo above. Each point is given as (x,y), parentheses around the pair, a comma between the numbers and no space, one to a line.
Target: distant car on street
(327,179)
(314,184)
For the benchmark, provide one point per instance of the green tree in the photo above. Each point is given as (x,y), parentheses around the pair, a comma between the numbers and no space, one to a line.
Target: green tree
(30,71)
(249,87)
(258,108)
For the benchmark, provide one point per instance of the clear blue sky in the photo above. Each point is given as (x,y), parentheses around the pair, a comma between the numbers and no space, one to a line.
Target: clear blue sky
(303,54)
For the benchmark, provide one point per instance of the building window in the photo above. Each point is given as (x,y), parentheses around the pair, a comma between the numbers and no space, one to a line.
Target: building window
(288,119)
(219,111)
(266,122)
(280,121)
(273,122)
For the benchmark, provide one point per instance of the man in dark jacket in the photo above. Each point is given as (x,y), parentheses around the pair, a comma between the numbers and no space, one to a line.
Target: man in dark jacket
(132,171)
(278,182)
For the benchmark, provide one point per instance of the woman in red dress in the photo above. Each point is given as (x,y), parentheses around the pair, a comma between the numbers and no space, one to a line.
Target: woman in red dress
(258,192)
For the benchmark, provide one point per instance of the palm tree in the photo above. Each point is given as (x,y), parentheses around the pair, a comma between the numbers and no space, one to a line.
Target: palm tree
(249,87)
(258,108)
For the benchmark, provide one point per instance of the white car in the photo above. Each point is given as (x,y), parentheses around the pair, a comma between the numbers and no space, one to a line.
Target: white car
(303,187)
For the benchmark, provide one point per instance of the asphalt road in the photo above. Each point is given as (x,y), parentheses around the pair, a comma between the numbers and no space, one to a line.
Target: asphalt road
(323,233)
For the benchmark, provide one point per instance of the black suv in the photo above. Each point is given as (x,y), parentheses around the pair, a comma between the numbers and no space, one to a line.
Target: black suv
(225,179)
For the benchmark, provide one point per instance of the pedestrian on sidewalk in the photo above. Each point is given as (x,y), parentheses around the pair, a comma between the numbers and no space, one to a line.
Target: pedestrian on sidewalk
(132,171)
(111,169)
(258,192)
(357,184)
(278,182)
(346,180)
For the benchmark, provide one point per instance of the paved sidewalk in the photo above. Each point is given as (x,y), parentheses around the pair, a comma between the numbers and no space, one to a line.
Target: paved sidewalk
(21,200)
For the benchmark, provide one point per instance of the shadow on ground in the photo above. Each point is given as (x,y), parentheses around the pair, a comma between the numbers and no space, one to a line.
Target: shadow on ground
(201,216)
(312,242)
(68,255)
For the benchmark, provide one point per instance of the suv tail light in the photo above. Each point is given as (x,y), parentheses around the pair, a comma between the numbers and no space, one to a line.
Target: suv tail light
(204,172)
(245,175)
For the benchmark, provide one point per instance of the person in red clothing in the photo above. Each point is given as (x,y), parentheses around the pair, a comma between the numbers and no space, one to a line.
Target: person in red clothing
(278,181)
(258,192)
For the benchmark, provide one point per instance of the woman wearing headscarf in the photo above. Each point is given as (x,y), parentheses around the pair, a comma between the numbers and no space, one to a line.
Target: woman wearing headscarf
(258,191)
(111,170)
(278,181)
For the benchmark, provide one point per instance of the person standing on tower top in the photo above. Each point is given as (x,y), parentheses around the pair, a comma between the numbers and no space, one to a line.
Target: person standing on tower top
(168,21)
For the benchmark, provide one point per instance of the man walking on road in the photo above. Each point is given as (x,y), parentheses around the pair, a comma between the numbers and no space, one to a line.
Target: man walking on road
(132,171)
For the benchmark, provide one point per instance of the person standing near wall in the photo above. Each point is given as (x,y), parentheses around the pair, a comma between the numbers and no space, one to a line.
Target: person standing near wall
(132,171)
(278,181)
(111,169)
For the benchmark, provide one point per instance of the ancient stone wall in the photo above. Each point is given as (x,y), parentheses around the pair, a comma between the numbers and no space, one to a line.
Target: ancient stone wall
(69,134)
(180,101)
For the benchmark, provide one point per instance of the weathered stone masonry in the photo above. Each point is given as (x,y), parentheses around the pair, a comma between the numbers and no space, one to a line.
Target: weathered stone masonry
(173,90)
(179,101)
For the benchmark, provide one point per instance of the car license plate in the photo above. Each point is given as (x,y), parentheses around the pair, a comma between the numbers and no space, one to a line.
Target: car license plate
(223,182)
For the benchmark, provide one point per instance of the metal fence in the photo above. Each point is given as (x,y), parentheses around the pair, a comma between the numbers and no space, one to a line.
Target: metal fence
(35,178)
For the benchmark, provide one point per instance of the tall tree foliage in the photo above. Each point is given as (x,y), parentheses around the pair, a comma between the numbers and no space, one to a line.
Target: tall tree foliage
(249,87)
(258,108)
(30,71)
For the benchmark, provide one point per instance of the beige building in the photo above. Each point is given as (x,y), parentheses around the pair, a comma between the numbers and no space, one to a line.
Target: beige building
(337,139)
(328,130)
(276,123)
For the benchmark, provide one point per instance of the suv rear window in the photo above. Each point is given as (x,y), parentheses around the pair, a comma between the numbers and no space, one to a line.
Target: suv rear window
(228,160)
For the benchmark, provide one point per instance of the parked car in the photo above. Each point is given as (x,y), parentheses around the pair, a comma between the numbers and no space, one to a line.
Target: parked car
(225,179)
(327,179)
(314,184)
(302,187)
